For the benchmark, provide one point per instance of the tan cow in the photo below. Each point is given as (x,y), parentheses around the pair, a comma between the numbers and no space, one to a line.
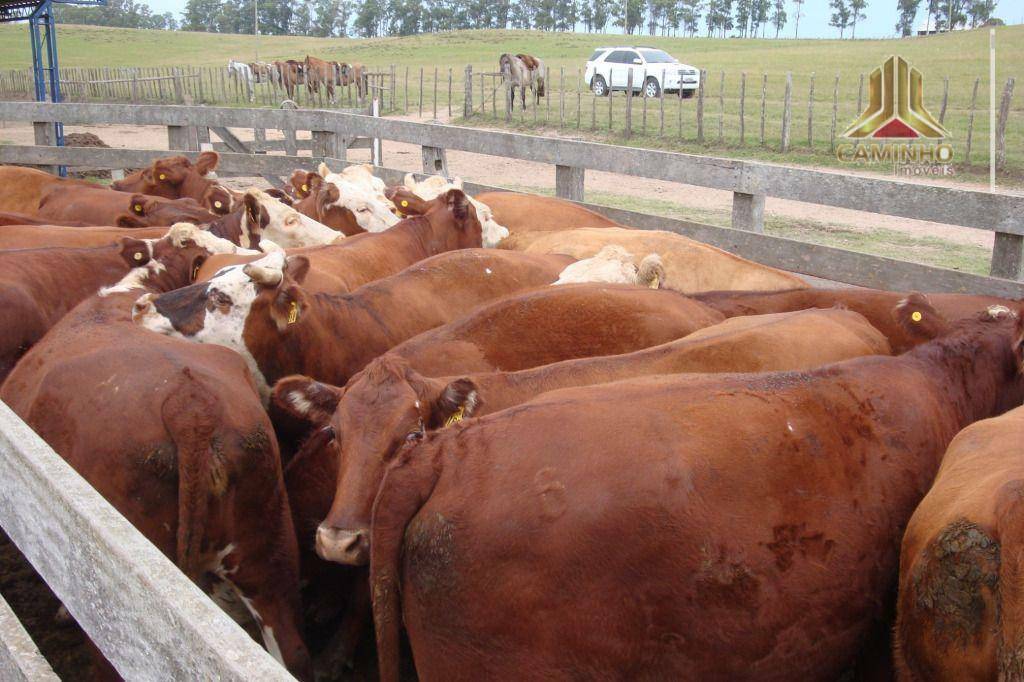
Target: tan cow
(24,187)
(531,213)
(690,266)
(615,265)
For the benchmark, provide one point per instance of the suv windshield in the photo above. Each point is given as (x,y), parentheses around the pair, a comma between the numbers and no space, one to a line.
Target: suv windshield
(657,57)
(597,53)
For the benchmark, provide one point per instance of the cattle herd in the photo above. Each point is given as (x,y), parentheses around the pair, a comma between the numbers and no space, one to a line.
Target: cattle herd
(291,73)
(541,444)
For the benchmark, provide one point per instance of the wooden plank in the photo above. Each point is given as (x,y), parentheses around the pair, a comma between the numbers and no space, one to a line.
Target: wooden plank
(982,210)
(764,103)
(743,95)
(970,122)
(148,619)
(810,114)
(1004,114)
(748,211)
(435,161)
(20,660)
(787,113)
(700,107)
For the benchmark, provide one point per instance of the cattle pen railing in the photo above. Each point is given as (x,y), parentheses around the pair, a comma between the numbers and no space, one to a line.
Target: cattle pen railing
(749,182)
(143,614)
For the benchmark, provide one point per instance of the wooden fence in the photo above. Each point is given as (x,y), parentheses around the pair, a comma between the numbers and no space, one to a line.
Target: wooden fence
(749,183)
(193,85)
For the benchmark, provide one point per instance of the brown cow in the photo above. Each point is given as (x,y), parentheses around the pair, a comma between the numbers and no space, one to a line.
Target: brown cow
(529,212)
(451,224)
(959,605)
(675,527)
(388,391)
(175,177)
(553,324)
(39,286)
(262,311)
(352,73)
(43,236)
(174,436)
(15,218)
(320,201)
(24,187)
(290,74)
(875,305)
(100,206)
(318,72)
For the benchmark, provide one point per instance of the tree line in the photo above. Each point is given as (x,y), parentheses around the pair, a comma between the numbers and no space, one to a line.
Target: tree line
(372,18)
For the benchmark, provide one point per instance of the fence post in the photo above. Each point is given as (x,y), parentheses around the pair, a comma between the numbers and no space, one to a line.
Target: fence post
(945,99)
(743,95)
(700,107)
(421,93)
(135,86)
(860,95)
(434,98)
(970,122)
(835,113)
(259,140)
(449,92)
(764,103)
(810,114)
(1004,114)
(179,93)
(787,112)
(561,97)
(467,104)
(44,136)
(748,212)
(435,161)
(611,93)
(177,137)
(1007,255)
(721,109)
(629,102)
(506,91)
(325,144)
(569,182)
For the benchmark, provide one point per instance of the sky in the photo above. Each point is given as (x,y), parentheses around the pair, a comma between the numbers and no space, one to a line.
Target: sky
(881,21)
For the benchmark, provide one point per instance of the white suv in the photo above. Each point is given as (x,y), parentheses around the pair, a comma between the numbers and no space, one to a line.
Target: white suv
(653,71)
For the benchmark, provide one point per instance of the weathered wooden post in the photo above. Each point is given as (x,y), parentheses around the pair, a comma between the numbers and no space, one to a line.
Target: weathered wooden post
(435,161)
(748,212)
(810,114)
(764,103)
(700,107)
(1004,114)
(467,103)
(569,182)
(743,95)
(970,122)
(721,109)
(629,102)
(787,112)
(945,99)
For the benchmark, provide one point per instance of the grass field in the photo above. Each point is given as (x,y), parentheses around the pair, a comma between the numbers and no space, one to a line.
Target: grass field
(961,57)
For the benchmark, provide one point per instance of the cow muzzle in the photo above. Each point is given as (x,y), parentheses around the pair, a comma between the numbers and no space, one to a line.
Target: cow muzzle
(343,546)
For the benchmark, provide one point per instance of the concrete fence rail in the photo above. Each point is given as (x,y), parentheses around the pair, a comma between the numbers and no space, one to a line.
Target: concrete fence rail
(749,182)
(148,619)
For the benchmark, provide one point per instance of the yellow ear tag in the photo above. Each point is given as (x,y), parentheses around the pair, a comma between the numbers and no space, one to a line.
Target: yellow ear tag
(137,256)
(915,316)
(305,188)
(293,312)
(456,416)
(217,204)
(405,203)
(138,208)
(163,177)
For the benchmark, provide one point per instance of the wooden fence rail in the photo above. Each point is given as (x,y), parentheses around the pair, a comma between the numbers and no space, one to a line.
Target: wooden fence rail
(750,182)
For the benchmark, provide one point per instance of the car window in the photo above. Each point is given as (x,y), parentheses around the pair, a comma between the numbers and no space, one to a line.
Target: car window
(594,57)
(621,57)
(657,57)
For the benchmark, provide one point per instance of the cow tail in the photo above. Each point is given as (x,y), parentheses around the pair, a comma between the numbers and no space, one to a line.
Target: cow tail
(191,415)
(405,488)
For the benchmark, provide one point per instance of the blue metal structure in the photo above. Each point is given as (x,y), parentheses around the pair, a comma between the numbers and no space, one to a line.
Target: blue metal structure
(43,35)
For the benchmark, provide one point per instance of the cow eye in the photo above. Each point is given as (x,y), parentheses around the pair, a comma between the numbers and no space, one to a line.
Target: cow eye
(220,298)
(364,209)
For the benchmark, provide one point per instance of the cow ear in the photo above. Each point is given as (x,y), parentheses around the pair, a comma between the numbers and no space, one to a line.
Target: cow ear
(128,220)
(218,200)
(137,205)
(280,195)
(458,203)
(135,252)
(296,268)
(918,318)
(258,216)
(289,305)
(323,170)
(314,182)
(330,194)
(207,162)
(458,400)
(307,399)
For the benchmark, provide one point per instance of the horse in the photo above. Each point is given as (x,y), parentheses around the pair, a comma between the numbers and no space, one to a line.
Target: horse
(242,72)
(524,71)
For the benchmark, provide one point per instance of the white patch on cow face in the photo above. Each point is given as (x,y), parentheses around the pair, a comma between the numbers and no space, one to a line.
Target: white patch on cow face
(367,203)
(182,233)
(299,402)
(290,229)
(136,277)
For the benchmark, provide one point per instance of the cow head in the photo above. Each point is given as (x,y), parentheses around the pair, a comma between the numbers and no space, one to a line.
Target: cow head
(383,410)
(370,213)
(218,200)
(452,217)
(282,224)
(435,185)
(150,211)
(303,183)
(243,307)
(170,262)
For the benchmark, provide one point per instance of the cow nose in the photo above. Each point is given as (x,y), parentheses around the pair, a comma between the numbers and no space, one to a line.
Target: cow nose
(343,546)
(142,306)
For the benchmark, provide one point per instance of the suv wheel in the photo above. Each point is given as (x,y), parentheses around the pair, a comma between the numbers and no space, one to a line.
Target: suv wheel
(598,86)
(651,87)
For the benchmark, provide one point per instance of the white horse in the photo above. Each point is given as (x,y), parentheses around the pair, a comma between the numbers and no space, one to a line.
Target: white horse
(242,72)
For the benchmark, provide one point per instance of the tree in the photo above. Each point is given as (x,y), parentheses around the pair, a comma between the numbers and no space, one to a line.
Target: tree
(689,15)
(632,17)
(200,15)
(742,16)
(601,15)
(840,15)
(779,16)
(799,11)
(958,9)
(759,10)
(980,11)
(907,10)
(370,18)
(302,19)
(856,12)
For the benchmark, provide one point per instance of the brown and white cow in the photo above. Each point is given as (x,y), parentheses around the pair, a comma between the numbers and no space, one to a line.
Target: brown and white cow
(356,190)
(875,305)
(530,213)
(401,403)
(175,437)
(675,527)
(448,225)
(101,206)
(176,177)
(44,236)
(431,186)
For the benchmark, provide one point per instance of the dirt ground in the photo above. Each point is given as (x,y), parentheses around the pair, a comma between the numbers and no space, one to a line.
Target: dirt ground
(514,173)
